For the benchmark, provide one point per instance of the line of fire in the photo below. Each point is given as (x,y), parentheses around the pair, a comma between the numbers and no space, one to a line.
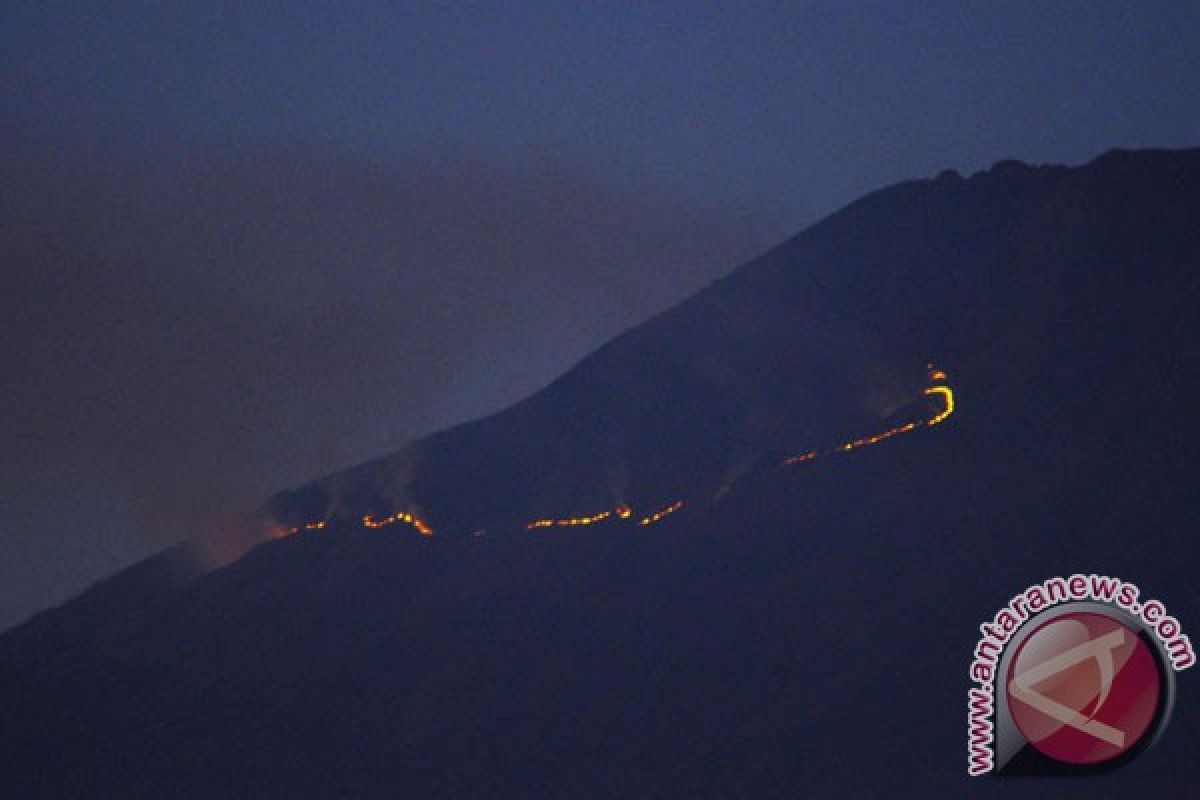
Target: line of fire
(939,389)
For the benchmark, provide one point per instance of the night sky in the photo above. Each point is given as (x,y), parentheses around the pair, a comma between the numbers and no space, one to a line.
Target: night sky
(245,246)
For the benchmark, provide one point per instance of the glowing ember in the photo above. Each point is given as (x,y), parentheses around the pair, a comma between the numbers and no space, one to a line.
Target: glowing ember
(942,391)
(624,512)
(657,515)
(947,395)
(279,532)
(573,521)
(399,516)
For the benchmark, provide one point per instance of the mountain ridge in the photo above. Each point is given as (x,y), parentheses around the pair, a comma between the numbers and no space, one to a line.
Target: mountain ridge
(809,629)
(712,319)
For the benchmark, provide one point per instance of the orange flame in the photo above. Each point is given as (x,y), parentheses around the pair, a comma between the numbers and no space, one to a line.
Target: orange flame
(399,516)
(947,395)
(943,391)
(809,456)
(624,511)
(567,522)
(657,515)
(279,532)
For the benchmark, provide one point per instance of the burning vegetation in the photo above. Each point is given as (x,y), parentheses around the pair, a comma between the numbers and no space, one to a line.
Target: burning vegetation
(400,516)
(938,389)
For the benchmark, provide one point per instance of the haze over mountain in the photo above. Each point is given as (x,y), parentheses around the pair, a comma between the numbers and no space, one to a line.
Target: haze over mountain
(791,629)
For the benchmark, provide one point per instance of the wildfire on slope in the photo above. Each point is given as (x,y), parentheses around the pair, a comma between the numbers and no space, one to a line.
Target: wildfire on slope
(662,512)
(947,395)
(279,532)
(400,516)
(569,522)
(623,511)
(939,390)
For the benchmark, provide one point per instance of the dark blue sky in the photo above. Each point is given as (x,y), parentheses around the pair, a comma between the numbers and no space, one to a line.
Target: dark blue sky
(797,106)
(246,244)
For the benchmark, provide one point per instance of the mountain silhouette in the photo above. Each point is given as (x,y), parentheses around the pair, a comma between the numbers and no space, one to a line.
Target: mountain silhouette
(793,626)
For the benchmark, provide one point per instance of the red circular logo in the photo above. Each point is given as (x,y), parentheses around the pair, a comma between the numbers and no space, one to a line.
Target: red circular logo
(1083,688)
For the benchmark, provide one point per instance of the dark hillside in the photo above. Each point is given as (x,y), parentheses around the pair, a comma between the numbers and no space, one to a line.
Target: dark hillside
(791,631)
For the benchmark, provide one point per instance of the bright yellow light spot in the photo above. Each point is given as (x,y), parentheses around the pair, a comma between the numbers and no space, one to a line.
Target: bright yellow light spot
(657,515)
(399,516)
(945,392)
(947,395)
(624,511)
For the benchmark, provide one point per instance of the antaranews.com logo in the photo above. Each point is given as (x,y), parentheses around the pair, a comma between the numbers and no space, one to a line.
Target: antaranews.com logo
(1075,675)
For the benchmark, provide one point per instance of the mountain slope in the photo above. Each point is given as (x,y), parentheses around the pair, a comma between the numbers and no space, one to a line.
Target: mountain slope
(792,629)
